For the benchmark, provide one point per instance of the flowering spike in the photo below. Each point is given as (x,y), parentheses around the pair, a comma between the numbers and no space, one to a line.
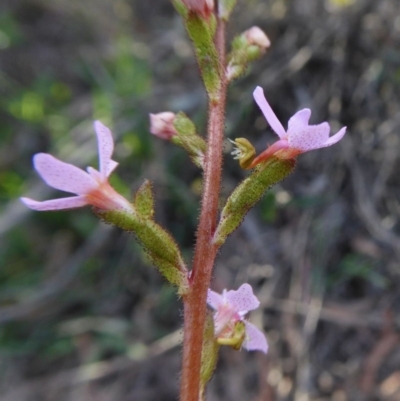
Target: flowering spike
(300,136)
(91,187)
(230,327)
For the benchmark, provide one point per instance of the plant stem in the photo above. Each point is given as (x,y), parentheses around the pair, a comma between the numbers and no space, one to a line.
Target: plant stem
(195,302)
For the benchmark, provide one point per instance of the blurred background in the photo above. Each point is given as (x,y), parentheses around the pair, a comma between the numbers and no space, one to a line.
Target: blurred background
(83,316)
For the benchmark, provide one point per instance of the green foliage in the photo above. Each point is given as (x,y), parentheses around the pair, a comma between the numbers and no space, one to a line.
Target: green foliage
(10,33)
(11,185)
(131,74)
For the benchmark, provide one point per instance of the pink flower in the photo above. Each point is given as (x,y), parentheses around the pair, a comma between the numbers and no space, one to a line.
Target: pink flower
(299,138)
(231,307)
(91,187)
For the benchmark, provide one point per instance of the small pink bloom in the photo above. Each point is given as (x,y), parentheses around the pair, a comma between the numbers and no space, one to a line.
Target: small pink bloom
(299,138)
(91,187)
(162,125)
(231,307)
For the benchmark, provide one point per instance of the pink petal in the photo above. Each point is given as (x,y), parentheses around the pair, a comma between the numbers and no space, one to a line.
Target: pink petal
(111,167)
(56,204)
(270,116)
(243,299)
(214,299)
(255,340)
(308,137)
(335,138)
(300,119)
(63,176)
(106,147)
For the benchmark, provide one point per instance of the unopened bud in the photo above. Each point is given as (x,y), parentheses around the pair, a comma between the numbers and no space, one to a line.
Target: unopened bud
(247,47)
(255,36)
(201,7)
(162,125)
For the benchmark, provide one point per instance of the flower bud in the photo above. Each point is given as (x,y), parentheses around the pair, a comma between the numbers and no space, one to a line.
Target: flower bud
(255,36)
(201,7)
(247,47)
(187,138)
(162,125)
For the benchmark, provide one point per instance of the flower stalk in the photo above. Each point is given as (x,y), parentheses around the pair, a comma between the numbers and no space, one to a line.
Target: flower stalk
(205,250)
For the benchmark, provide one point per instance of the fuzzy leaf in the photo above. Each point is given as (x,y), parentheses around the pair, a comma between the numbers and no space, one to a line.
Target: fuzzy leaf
(144,201)
(187,138)
(209,353)
(202,34)
(180,7)
(248,193)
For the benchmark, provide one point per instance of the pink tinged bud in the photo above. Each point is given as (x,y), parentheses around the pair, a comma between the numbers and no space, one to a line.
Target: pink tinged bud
(201,7)
(162,125)
(255,36)
(230,308)
(299,138)
(91,187)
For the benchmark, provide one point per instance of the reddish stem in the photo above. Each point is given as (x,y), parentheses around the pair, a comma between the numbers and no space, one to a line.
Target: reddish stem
(205,252)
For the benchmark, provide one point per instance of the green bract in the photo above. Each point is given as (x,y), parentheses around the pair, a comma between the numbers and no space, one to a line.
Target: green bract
(248,193)
(209,353)
(187,138)
(202,34)
(144,201)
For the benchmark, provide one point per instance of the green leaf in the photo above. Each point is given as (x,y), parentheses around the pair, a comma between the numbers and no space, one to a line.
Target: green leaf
(209,354)
(187,138)
(144,201)
(202,34)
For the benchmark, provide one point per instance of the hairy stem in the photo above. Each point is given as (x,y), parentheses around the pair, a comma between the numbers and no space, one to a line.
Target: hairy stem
(205,252)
